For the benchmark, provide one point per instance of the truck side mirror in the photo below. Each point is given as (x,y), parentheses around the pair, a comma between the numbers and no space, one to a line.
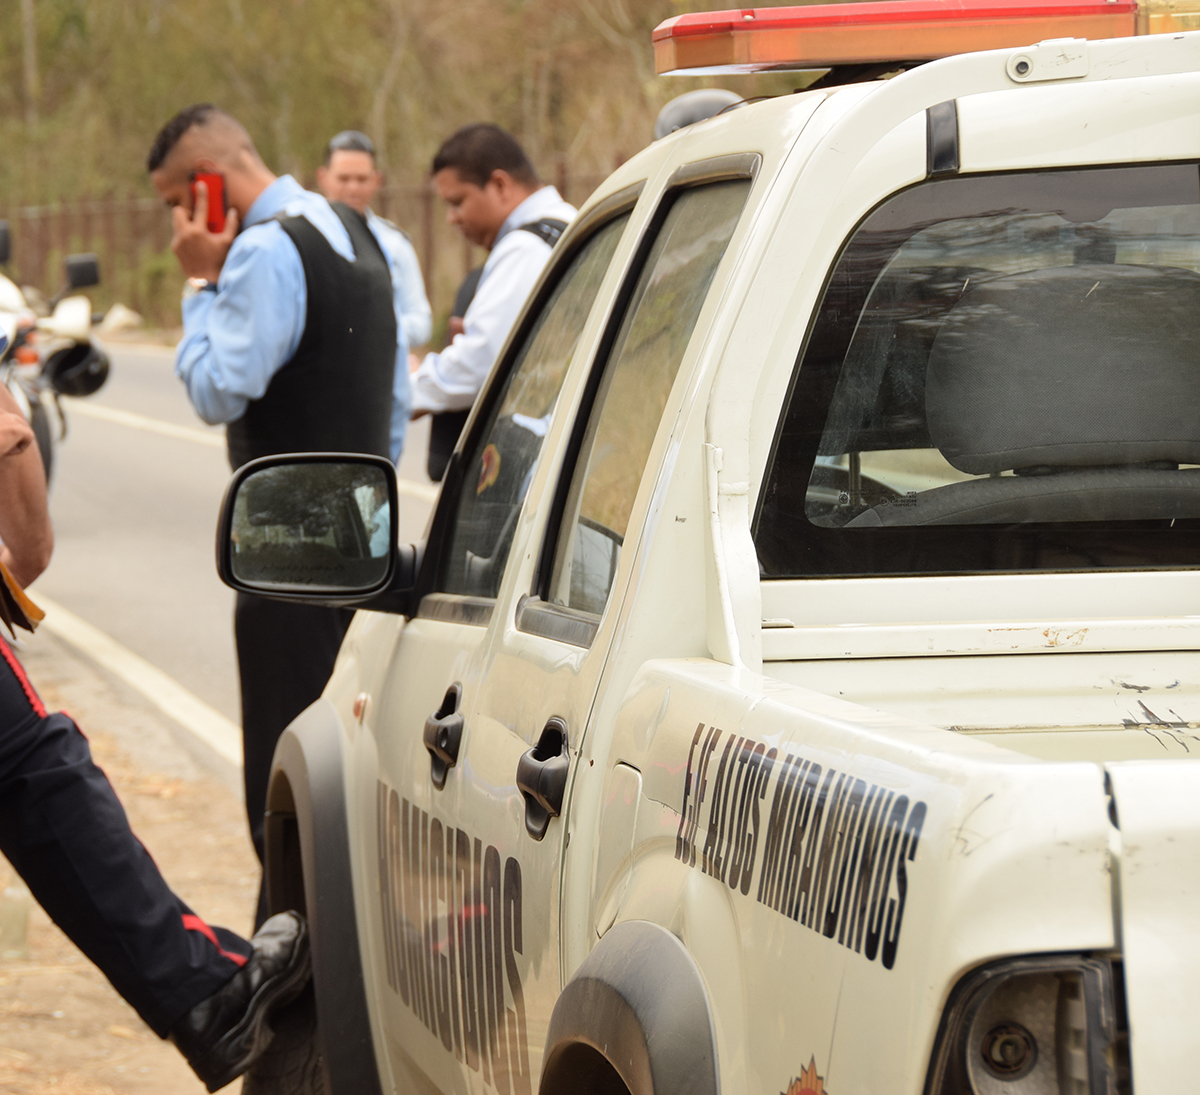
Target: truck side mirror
(316,527)
(5,243)
(83,271)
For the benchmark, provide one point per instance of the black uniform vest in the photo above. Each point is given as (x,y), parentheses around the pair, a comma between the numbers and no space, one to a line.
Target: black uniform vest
(335,394)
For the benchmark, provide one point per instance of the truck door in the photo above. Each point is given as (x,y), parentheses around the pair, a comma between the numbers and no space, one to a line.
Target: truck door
(434,973)
(546,651)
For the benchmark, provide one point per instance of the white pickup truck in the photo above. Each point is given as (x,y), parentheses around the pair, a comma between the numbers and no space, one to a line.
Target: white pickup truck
(797,688)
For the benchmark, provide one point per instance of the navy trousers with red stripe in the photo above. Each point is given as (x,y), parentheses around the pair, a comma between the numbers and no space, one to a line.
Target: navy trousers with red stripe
(64,830)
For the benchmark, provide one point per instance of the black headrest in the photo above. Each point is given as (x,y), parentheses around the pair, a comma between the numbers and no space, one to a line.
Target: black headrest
(1084,366)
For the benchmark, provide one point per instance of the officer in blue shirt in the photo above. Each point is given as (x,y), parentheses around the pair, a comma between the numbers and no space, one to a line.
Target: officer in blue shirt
(349,174)
(290,339)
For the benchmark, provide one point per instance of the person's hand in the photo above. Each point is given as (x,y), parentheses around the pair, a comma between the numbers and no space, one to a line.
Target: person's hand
(414,362)
(15,434)
(200,252)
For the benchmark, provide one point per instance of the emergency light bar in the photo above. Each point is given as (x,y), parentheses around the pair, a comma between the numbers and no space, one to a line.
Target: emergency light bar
(826,35)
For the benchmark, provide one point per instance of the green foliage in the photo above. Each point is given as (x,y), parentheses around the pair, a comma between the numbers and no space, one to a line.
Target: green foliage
(574,79)
(157,286)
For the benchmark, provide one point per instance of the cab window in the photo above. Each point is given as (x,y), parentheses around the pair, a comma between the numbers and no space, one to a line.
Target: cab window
(1004,375)
(636,380)
(501,466)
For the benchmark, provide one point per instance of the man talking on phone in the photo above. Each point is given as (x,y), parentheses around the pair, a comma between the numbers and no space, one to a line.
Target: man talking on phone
(290,340)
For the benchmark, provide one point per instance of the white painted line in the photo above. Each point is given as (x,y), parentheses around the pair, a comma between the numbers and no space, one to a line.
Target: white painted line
(146,349)
(212,728)
(214,439)
(424,492)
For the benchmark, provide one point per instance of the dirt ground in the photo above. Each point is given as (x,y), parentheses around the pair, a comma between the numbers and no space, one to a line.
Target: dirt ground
(63,1030)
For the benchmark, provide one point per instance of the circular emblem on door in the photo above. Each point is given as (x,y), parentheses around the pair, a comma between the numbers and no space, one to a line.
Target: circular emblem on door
(489,468)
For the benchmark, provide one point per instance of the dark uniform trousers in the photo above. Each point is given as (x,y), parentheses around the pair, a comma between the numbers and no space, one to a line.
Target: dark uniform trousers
(64,830)
(285,655)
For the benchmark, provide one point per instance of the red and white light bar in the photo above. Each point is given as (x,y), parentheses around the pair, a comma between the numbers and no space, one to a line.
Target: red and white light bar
(824,35)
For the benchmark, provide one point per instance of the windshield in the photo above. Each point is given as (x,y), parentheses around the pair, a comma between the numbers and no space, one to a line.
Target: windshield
(1004,374)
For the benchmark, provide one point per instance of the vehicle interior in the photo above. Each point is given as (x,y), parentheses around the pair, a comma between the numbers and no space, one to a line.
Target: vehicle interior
(1030,364)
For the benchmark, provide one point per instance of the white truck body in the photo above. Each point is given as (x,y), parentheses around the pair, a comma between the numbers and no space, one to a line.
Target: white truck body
(843,795)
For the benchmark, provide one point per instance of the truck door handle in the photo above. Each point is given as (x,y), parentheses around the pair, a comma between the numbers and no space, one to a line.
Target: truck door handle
(542,777)
(443,735)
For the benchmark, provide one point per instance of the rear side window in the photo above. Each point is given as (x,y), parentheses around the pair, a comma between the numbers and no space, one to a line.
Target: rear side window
(497,474)
(1004,375)
(637,379)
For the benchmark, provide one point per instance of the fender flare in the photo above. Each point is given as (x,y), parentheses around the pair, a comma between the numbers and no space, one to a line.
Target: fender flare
(308,838)
(639,1001)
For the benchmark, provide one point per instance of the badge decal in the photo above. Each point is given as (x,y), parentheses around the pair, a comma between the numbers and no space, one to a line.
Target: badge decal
(808,1082)
(489,468)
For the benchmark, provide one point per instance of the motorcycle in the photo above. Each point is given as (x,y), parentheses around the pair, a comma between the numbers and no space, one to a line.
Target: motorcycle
(50,354)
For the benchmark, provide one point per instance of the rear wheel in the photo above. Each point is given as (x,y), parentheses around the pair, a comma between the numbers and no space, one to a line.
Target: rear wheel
(581,1070)
(293,1063)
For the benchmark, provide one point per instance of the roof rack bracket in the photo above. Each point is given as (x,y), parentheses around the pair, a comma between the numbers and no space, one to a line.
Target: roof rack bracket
(1059,59)
(941,149)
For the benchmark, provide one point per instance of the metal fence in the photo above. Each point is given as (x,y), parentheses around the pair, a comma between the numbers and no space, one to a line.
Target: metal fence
(132,234)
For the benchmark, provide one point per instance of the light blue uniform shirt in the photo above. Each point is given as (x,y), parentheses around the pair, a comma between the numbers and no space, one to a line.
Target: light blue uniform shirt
(236,339)
(412,305)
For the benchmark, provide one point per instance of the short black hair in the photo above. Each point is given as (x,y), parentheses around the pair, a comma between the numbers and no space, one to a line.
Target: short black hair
(170,134)
(349,140)
(475,151)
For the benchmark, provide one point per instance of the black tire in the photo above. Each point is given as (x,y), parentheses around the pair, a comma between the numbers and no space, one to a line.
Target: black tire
(293,1063)
(39,421)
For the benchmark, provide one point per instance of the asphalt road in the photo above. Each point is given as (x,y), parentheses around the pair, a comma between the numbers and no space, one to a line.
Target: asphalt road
(135,513)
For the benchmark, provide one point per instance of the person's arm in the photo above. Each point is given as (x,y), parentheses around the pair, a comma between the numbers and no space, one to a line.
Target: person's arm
(24,514)
(394,245)
(236,339)
(416,315)
(451,380)
(413,314)
(401,403)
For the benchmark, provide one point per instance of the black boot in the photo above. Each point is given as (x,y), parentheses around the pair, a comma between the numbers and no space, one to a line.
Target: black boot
(223,1035)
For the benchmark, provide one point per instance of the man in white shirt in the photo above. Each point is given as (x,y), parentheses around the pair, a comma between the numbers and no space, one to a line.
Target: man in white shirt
(494,197)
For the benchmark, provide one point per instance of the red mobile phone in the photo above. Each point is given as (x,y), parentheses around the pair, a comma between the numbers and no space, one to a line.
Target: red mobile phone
(217,206)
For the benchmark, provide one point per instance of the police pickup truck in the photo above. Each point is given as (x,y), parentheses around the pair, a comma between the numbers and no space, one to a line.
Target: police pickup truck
(797,689)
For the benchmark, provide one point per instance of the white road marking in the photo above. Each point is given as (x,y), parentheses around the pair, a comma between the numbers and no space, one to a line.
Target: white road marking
(424,492)
(212,728)
(145,349)
(213,439)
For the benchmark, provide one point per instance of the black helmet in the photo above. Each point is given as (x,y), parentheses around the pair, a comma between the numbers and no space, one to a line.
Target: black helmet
(692,107)
(77,370)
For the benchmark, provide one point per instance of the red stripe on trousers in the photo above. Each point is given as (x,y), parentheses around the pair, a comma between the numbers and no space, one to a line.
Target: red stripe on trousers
(35,701)
(195,924)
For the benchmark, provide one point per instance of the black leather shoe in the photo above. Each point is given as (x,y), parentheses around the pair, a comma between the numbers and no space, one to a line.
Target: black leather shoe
(223,1035)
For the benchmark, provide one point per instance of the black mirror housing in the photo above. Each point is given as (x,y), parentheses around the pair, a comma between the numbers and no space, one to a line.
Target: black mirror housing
(317,528)
(5,243)
(83,271)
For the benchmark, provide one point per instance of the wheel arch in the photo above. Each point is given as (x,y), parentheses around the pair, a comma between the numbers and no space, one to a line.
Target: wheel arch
(639,1002)
(308,838)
